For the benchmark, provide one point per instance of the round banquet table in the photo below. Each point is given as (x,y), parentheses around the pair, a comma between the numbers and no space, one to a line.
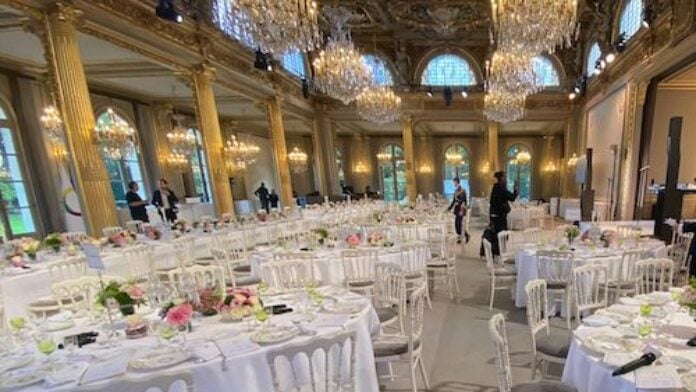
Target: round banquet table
(525,262)
(590,371)
(246,368)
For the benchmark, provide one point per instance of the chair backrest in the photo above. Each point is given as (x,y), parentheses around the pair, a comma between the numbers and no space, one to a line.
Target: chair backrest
(488,253)
(287,274)
(504,241)
(627,231)
(654,275)
(320,364)
(537,306)
(79,293)
(407,232)
(627,268)
(185,250)
(414,257)
(590,286)
(136,226)
(228,259)
(140,261)
(390,288)
(416,308)
(555,267)
(208,276)
(159,382)
(109,231)
(68,268)
(359,265)
(496,329)
(532,235)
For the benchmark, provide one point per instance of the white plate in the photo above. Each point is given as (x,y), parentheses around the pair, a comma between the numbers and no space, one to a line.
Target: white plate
(603,344)
(274,335)
(345,307)
(159,359)
(52,326)
(598,320)
(689,381)
(21,378)
(619,317)
(14,362)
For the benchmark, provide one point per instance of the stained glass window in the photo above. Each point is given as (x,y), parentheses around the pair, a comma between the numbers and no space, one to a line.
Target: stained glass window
(545,72)
(381,75)
(293,62)
(448,70)
(631,18)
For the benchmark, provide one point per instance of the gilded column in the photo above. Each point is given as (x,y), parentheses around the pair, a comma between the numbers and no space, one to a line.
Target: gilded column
(407,134)
(280,150)
(209,126)
(92,180)
(319,157)
(326,127)
(492,146)
(425,166)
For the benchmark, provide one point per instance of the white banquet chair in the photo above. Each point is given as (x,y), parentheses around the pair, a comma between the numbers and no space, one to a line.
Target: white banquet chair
(551,346)
(590,289)
(234,264)
(507,246)
(111,230)
(324,364)
(556,268)
(390,348)
(414,259)
(359,270)
(159,382)
(501,277)
(444,268)
(625,281)
(390,295)
(498,334)
(140,262)
(80,293)
(654,275)
(66,269)
(680,253)
(287,274)
(185,250)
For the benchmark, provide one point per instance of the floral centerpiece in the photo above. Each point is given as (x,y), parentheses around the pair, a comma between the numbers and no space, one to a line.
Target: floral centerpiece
(25,246)
(376,238)
(238,303)
(262,215)
(353,240)
(177,313)
(122,238)
(153,233)
(208,300)
(54,241)
(321,234)
(181,225)
(378,217)
(121,296)
(572,232)
(688,295)
(136,327)
(609,238)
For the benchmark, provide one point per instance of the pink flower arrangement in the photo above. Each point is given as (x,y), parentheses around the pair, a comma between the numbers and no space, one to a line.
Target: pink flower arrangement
(179,315)
(376,239)
(153,233)
(17,261)
(238,298)
(353,240)
(688,295)
(134,291)
(122,238)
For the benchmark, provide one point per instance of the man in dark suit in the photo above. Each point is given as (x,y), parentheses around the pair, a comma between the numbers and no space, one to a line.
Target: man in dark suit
(165,200)
(459,204)
(500,202)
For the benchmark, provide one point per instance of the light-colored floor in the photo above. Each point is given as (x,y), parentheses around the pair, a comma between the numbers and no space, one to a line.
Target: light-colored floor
(458,352)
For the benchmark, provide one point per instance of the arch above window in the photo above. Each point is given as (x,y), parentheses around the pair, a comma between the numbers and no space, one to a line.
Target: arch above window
(293,62)
(631,17)
(448,70)
(593,56)
(381,73)
(545,72)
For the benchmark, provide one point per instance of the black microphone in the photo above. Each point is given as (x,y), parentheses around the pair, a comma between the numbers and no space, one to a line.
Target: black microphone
(691,342)
(644,360)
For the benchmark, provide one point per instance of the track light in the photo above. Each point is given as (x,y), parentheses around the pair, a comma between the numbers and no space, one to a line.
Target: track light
(447,94)
(572,96)
(429,93)
(609,58)
(620,43)
(166,10)
(262,61)
(464,94)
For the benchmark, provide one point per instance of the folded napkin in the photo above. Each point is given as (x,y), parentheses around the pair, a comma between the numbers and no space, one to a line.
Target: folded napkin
(617,359)
(70,373)
(662,377)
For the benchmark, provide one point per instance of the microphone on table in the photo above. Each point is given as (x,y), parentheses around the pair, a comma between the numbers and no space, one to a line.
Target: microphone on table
(691,342)
(644,360)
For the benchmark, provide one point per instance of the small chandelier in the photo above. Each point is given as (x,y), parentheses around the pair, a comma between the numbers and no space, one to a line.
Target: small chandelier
(339,70)
(425,169)
(502,106)
(485,168)
(181,140)
(384,157)
(235,167)
(573,160)
(361,168)
(512,71)
(52,124)
(115,136)
(454,158)
(298,160)
(534,26)
(523,157)
(550,167)
(278,26)
(239,154)
(178,161)
(379,104)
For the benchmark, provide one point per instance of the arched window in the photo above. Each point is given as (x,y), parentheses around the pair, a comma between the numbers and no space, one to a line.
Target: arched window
(199,168)
(340,165)
(393,173)
(631,18)
(17,218)
(124,170)
(381,75)
(228,20)
(448,70)
(293,62)
(456,165)
(545,72)
(519,172)
(592,56)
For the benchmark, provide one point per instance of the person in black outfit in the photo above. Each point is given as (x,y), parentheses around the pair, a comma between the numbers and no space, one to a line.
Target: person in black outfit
(135,203)
(273,199)
(500,202)
(459,204)
(165,200)
(690,227)
(262,194)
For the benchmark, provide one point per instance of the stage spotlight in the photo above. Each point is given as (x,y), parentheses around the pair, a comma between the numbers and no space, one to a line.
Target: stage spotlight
(572,96)
(166,10)
(262,61)
(610,58)
(620,43)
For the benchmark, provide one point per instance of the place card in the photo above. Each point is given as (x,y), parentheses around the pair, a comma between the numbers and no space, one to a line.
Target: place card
(658,377)
(108,369)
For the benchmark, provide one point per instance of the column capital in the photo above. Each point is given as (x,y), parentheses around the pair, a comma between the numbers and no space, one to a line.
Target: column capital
(204,70)
(66,13)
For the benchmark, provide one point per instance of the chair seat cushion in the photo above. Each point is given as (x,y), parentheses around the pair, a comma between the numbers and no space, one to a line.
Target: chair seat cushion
(413,275)
(437,263)
(387,347)
(385,314)
(49,301)
(556,286)
(361,283)
(543,386)
(555,344)
(243,269)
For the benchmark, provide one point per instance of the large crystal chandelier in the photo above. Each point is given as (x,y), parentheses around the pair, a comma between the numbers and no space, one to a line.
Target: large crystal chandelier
(454,158)
(298,160)
(534,26)
(339,70)
(178,161)
(115,136)
(379,104)
(512,71)
(239,154)
(384,157)
(181,140)
(280,25)
(503,106)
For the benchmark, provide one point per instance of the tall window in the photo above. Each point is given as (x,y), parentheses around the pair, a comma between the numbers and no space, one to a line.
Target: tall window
(340,165)
(381,75)
(631,17)
(518,172)
(394,173)
(199,168)
(293,62)
(17,218)
(124,170)
(448,70)
(229,21)
(592,56)
(456,168)
(545,72)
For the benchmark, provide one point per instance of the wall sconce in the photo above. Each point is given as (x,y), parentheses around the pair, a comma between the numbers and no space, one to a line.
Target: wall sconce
(485,168)
(572,161)
(550,167)
(425,169)
(59,151)
(361,168)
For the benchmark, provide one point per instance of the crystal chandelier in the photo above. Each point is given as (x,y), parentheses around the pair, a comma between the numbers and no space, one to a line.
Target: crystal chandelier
(379,104)
(550,167)
(512,71)
(181,140)
(502,106)
(361,168)
(523,157)
(239,154)
(298,160)
(52,124)
(534,26)
(115,136)
(178,161)
(339,70)
(384,158)
(278,26)
(454,158)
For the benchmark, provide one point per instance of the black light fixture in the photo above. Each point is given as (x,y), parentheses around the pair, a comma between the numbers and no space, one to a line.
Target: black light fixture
(579,88)
(167,10)
(648,16)
(617,47)
(305,88)
(447,94)
(429,93)
(262,61)
(464,94)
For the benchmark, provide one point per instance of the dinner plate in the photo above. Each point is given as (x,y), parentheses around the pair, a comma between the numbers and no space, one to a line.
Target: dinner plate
(14,362)
(600,320)
(603,344)
(689,381)
(52,326)
(274,335)
(343,307)
(21,378)
(617,316)
(159,359)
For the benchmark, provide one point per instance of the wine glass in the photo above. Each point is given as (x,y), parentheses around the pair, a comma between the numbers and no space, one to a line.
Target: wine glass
(45,345)
(261,315)
(167,332)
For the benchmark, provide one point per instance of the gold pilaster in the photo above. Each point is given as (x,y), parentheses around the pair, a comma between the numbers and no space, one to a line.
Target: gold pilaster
(209,126)
(92,180)
(492,146)
(319,154)
(407,135)
(280,150)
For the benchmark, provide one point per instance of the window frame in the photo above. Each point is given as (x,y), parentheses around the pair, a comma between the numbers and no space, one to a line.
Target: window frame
(290,68)
(397,164)
(636,23)
(426,80)
(202,164)
(550,65)
(378,65)
(590,65)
